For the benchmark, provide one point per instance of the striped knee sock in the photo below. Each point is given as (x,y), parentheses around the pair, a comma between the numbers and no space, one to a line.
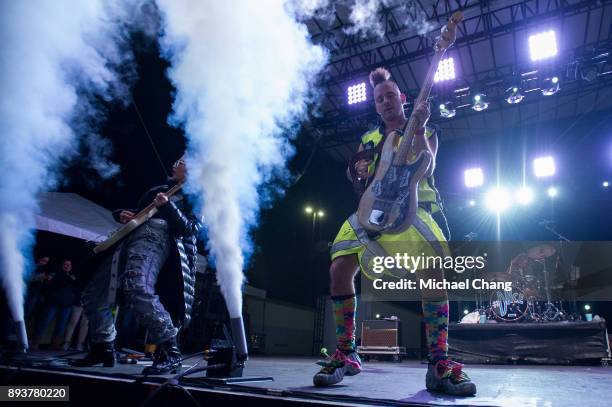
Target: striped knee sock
(344,308)
(435,314)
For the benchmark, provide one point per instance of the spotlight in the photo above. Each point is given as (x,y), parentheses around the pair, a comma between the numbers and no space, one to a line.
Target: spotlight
(587,307)
(356,93)
(479,102)
(377,316)
(465,312)
(497,200)
(447,110)
(544,166)
(552,192)
(524,196)
(605,184)
(472,202)
(543,45)
(473,177)
(446,70)
(514,95)
(550,86)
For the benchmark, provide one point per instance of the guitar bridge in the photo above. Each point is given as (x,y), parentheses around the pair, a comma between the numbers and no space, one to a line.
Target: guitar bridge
(377,217)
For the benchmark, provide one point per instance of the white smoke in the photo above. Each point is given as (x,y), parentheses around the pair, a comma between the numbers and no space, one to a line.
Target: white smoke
(244,72)
(55,56)
(364,17)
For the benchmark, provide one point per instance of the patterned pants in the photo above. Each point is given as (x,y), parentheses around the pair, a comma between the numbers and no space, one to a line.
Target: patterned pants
(146,251)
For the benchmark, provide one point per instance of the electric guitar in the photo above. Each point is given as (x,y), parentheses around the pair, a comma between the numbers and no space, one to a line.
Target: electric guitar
(390,202)
(140,218)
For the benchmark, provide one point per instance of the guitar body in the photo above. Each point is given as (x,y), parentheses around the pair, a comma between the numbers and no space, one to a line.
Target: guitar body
(390,203)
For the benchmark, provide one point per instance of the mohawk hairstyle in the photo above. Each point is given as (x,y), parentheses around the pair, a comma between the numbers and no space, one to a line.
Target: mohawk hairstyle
(379,75)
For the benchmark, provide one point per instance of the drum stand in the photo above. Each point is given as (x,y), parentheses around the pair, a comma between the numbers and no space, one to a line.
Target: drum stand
(557,313)
(550,312)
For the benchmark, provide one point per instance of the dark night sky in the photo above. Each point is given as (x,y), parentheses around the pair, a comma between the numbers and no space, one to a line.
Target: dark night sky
(286,261)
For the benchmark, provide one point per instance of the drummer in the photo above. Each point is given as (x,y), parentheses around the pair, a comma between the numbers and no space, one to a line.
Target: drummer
(519,267)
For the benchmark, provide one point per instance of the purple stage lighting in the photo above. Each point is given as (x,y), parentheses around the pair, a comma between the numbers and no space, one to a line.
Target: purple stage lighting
(473,177)
(544,167)
(446,70)
(543,45)
(356,93)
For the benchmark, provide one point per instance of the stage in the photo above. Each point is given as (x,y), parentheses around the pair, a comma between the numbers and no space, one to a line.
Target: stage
(381,383)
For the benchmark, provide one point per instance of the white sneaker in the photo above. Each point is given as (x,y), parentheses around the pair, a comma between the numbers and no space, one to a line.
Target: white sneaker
(336,366)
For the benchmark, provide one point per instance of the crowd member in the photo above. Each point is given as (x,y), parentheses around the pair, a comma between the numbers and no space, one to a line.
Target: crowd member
(59,298)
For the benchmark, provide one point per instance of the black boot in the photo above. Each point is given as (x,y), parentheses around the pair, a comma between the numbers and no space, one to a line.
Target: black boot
(103,352)
(167,359)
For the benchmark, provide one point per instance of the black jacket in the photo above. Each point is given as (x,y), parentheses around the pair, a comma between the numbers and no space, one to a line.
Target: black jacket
(184,228)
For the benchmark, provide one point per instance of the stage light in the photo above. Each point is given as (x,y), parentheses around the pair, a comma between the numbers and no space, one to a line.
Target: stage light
(473,177)
(587,307)
(308,209)
(550,86)
(552,192)
(497,200)
(320,214)
(472,202)
(447,110)
(446,70)
(514,95)
(544,166)
(356,93)
(479,102)
(605,184)
(542,45)
(465,312)
(524,196)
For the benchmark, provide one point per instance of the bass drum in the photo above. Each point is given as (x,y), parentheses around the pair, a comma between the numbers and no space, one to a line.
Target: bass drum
(509,306)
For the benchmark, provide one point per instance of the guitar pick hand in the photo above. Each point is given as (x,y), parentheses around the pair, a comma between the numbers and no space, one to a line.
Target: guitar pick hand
(126,216)
(361,167)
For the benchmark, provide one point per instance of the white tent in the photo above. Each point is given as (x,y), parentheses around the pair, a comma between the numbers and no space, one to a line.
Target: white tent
(72,215)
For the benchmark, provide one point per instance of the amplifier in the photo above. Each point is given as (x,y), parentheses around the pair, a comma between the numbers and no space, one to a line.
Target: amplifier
(380,332)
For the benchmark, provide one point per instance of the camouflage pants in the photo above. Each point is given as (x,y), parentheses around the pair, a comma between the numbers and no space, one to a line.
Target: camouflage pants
(143,255)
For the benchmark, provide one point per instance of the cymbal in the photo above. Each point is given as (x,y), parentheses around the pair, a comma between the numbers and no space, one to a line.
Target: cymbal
(541,252)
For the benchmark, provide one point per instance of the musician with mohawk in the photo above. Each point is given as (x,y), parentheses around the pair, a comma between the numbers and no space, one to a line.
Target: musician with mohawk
(349,253)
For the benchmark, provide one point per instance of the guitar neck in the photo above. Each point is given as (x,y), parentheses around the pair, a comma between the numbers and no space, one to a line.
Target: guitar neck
(148,210)
(404,147)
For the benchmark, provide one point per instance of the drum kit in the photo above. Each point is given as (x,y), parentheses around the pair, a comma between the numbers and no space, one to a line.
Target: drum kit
(533,298)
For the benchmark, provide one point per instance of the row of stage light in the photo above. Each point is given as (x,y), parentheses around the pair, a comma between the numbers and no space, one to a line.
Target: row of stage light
(499,198)
(542,46)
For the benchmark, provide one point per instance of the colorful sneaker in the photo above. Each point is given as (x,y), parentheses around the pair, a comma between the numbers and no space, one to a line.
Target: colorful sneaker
(448,377)
(336,366)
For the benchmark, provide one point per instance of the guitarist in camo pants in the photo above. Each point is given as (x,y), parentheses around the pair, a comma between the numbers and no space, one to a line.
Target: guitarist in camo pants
(348,251)
(168,239)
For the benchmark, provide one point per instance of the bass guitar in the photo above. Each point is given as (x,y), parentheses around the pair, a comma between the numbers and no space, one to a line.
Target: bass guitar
(390,202)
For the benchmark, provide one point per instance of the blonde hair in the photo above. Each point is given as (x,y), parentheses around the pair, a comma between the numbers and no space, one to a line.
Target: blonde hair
(378,76)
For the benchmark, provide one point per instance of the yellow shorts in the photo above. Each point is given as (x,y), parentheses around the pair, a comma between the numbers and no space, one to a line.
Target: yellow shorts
(427,240)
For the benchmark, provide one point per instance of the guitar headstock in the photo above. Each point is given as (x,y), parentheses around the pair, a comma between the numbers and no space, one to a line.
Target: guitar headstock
(449,31)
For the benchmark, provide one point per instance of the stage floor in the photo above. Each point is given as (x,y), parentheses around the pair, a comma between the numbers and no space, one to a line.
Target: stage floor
(498,385)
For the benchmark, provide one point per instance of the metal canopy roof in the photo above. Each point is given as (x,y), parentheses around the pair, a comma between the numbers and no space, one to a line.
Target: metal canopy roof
(491,53)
